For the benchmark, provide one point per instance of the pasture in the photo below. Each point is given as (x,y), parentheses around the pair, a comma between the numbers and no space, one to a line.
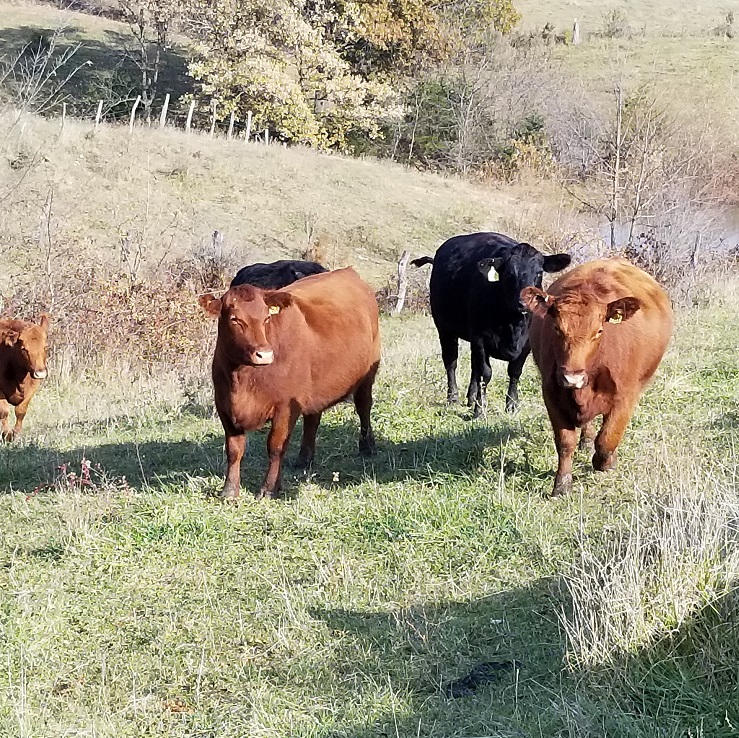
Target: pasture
(134,604)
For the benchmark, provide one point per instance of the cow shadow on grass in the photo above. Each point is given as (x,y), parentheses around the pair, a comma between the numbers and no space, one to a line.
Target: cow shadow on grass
(497,666)
(460,453)
(487,667)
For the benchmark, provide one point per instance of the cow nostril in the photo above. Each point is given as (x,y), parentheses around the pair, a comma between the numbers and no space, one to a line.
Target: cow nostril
(263,357)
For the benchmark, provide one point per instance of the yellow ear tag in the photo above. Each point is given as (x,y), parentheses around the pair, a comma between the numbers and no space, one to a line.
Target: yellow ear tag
(274,309)
(616,317)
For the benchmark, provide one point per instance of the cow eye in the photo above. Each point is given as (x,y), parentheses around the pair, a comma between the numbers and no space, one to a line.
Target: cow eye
(233,319)
(598,334)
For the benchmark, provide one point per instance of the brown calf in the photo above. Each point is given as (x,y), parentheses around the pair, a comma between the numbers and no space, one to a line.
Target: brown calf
(597,337)
(22,368)
(290,352)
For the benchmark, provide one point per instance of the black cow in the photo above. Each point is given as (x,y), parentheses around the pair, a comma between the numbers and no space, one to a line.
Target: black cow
(276,275)
(475,294)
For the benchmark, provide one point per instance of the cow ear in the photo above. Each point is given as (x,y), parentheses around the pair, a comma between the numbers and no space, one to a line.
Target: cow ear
(536,301)
(44,322)
(489,268)
(621,309)
(556,262)
(277,301)
(11,338)
(211,304)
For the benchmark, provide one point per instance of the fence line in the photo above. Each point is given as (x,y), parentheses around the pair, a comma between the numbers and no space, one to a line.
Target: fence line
(229,132)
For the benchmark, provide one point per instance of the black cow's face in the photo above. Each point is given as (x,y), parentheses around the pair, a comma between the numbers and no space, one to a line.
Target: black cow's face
(518,268)
(244,314)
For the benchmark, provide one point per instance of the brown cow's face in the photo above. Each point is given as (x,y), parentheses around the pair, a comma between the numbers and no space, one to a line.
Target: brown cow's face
(244,314)
(30,343)
(577,321)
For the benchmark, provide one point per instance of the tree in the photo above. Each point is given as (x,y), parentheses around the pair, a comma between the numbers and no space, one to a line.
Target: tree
(150,23)
(282,61)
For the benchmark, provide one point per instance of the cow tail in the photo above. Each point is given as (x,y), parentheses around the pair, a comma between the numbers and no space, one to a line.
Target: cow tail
(422,261)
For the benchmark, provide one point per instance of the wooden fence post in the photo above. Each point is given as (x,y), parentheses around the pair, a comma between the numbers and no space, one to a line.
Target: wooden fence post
(163,116)
(248,125)
(99,114)
(402,282)
(266,136)
(575,33)
(133,113)
(213,122)
(231,125)
(64,114)
(189,116)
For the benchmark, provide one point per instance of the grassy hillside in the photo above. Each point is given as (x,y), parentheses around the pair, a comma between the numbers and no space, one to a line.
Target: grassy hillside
(661,18)
(167,192)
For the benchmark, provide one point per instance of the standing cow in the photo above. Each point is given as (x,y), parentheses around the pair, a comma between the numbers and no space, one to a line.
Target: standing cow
(475,289)
(285,353)
(22,368)
(598,336)
(276,274)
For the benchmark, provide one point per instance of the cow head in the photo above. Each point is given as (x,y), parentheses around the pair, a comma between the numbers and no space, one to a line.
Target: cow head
(244,314)
(577,322)
(30,346)
(517,268)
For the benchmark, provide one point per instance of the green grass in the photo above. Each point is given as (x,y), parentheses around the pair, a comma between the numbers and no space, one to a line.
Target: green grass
(142,606)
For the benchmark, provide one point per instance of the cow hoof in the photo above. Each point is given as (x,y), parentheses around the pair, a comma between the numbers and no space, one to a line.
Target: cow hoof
(562,486)
(229,494)
(452,399)
(367,447)
(8,436)
(604,462)
(303,461)
(511,407)
(267,494)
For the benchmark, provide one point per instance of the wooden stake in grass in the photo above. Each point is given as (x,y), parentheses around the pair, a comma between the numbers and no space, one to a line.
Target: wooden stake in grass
(163,116)
(99,114)
(64,114)
(266,136)
(231,125)
(189,116)
(402,282)
(133,113)
(213,120)
(248,126)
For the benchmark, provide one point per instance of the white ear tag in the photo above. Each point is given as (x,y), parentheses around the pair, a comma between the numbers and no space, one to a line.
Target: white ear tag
(274,309)
(492,275)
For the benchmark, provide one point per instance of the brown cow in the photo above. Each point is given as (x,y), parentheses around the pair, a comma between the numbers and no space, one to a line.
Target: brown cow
(22,367)
(597,337)
(290,352)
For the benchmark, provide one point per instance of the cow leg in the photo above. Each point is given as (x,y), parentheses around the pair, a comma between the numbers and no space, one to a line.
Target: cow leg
(20,415)
(515,368)
(277,440)
(308,443)
(587,435)
(610,435)
(481,374)
(235,447)
(363,404)
(565,440)
(7,434)
(449,355)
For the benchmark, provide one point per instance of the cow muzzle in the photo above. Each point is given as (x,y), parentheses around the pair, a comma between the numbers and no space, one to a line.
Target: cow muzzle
(573,380)
(262,357)
(40,374)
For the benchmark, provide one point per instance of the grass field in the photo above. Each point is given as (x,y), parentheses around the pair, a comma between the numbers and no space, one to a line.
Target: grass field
(135,604)
(432,590)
